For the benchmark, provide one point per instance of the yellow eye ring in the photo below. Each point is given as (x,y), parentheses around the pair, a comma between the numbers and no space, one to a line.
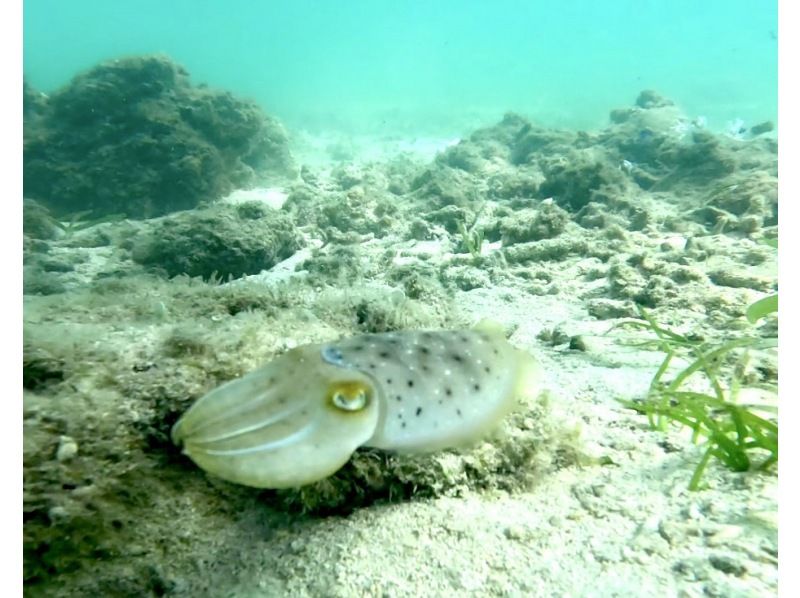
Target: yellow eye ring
(349,396)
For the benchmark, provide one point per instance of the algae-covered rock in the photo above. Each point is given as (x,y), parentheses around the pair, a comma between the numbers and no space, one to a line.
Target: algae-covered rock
(37,222)
(401,171)
(217,242)
(534,225)
(509,129)
(334,265)
(450,217)
(441,186)
(369,178)
(134,137)
(545,250)
(521,182)
(649,98)
(643,134)
(753,194)
(531,142)
(465,156)
(364,207)
(40,368)
(358,212)
(596,215)
(36,281)
(705,158)
(738,279)
(34,103)
(576,178)
(466,277)
(661,148)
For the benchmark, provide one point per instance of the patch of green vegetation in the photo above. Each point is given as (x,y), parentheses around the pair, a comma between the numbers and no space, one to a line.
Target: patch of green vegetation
(738,431)
(770,241)
(471,234)
(77,221)
(762,308)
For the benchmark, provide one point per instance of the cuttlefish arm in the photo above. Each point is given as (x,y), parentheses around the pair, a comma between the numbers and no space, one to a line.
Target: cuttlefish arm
(291,422)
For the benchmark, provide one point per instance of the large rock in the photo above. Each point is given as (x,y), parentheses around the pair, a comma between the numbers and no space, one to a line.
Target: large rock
(223,241)
(134,137)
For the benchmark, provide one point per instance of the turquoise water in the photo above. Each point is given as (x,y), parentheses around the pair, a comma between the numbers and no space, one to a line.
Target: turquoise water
(432,66)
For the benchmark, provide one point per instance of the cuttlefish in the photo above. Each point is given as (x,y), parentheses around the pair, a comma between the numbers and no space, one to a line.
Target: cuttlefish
(299,418)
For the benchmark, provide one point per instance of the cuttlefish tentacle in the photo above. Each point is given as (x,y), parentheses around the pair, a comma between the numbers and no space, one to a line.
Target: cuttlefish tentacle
(300,417)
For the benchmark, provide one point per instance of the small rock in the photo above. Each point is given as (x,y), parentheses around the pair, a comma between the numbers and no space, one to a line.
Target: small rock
(608,309)
(577,343)
(58,514)
(762,128)
(727,564)
(737,279)
(515,532)
(724,535)
(691,568)
(676,243)
(67,448)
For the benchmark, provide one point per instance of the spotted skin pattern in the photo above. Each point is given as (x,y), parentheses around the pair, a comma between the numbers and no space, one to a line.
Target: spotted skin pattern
(300,417)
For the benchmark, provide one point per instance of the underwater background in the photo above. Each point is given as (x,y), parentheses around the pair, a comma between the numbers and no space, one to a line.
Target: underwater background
(400,299)
(432,67)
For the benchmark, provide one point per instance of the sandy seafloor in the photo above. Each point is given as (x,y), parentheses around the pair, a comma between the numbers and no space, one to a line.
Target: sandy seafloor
(595,504)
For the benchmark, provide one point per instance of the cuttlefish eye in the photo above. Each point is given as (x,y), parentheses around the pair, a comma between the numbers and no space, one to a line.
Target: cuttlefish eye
(349,396)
